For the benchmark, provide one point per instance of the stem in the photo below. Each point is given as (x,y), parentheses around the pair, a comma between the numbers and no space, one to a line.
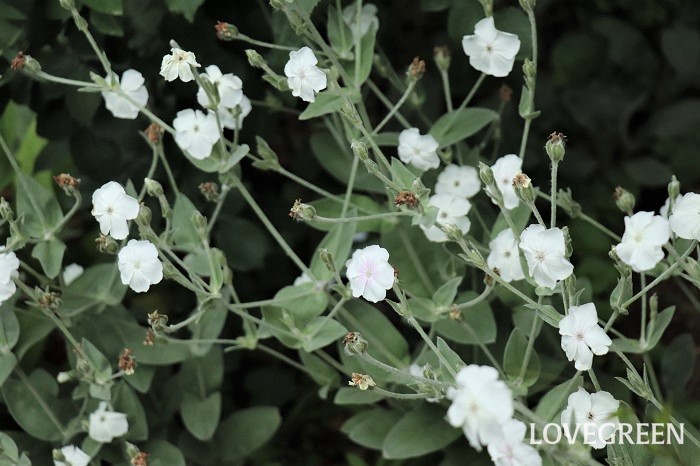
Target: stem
(417,264)
(446,88)
(357,37)
(285,359)
(387,103)
(414,323)
(351,185)
(364,217)
(643,328)
(402,396)
(217,209)
(531,105)
(395,108)
(469,97)
(594,379)
(69,215)
(528,348)
(405,377)
(259,43)
(69,82)
(168,172)
(652,376)
(555,168)
(484,294)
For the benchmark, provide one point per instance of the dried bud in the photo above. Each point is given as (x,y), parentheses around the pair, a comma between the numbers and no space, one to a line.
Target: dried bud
(488,279)
(442,57)
(141,459)
(361,381)
(150,338)
(67,182)
(555,147)
(624,200)
(301,211)
(406,198)
(154,133)
(106,244)
(210,191)
(153,188)
(416,69)
(48,300)
(18,62)
(674,188)
(523,188)
(455,314)
(6,212)
(255,59)
(225,31)
(127,362)
(354,344)
(157,321)
(505,93)
(359,149)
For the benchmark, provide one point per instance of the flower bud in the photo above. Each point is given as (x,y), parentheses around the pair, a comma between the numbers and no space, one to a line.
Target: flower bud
(488,7)
(416,69)
(349,111)
(442,57)
(406,198)
(80,22)
(555,147)
(67,4)
(18,62)
(419,188)
(529,70)
(523,188)
(354,344)
(153,188)
(154,133)
(674,188)
(486,174)
(301,211)
(255,59)
(144,216)
(31,65)
(140,459)
(567,241)
(453,232)
(210,191)
(5,210)
(169,271)
(359,149)
(68,183)
(106,244)
(327,259)
(58,456)
(64,377)
(264,151)
(277,4)
(48,300)
(473,256)
(624,200)
(200,223)
(225,31)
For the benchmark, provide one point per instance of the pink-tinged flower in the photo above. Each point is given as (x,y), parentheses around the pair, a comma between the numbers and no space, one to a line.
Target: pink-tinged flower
(370,273)
(545,253)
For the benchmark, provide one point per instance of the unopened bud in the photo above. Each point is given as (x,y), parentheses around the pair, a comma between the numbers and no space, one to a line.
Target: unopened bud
(31,64)
(144,216)
(529,70)
(210,191)
(674,188)
(359,149)
(301,211)
(624,200)
(354,344)
(416,69)
(486,174)
(297,22)
(488,7)
(153,188)
(140,459)
(567,241)
(555,147)
(527,5)
(48,300)
(5,210)
(255,59)
(348,110)
(80,22)
(200,223)
(277,4)
(277,81)
(67,4)
(327,259)
(453,232)
(473,256)
(106,244)
(64,377)
(442,57)
(225,31)
(523,188)
(58,456)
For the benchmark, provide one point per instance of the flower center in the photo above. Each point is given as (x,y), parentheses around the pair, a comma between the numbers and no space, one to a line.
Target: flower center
(456,184)
(195,128)
(110,210)
(507,254)
(579,336)
(489,48)
(137,265)
(638,237)
(591,416)
(444,215)
(540,256)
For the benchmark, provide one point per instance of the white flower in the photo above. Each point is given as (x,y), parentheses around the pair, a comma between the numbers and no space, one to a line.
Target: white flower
(685,217)
(545,254)
(106,425)
(304,78)
(178,64)
(663,211)
(642,244)
(112,207)
(582,337)
(73,456)
(504,170)
(480,404)
(595,414)
(229,86)
(370,273)
(368,18)
(505,256)
(491,51)
(71,272)
(303,278)
(196,132)
(419,151)
(132,85)
(139,265)
(451,211)
(460,181)
(227,118)
(9,265)
(509,448)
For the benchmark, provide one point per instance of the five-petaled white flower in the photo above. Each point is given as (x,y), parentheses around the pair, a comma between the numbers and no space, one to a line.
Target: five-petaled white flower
(504,170)
(139,265)
(73,456)
(304,78)
(509,448)
(582,337)
(505,256)
(594,414)
(419,151)
(196,132)
(642,243)
(370,273)
(106,425)
(451,211)
(491,51)
(545,252)
(458,180)
(480,404)
(685,216)
(130,84)
(229,86)
(112,207)
(232,118)
(368,19)
(71,272)
(9,265)
(178,64)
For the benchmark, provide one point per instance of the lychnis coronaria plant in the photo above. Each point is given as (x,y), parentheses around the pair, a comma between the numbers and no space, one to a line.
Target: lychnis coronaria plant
(442,306)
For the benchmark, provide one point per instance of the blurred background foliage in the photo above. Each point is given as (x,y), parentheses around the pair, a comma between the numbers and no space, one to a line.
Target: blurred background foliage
(621,78)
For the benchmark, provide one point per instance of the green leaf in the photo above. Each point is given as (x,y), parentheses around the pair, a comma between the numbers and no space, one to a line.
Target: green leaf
(125,401)
(513,359)
(403,175)
(247,430)
(476,325)
(10,12)
(8,362)
(338,242)
(339,33)
(9,327)
(106,24)
(418,433)
(204,375)
(208,327)
(520,217)
(552,403)
(38,205)
(370,428)
(462,18)
(184,233)
(328,102)
(677,364)
(99,286)
(514,20)
(201,416)
(445,295)
(110,7)
(34,328)
(304,302)
(353,396)
(458,125)
(330,331)
(33,405)
(657,327)
(162,453)
(50,256)
(322,372)
(337,161)
(186,8)
(450,356)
